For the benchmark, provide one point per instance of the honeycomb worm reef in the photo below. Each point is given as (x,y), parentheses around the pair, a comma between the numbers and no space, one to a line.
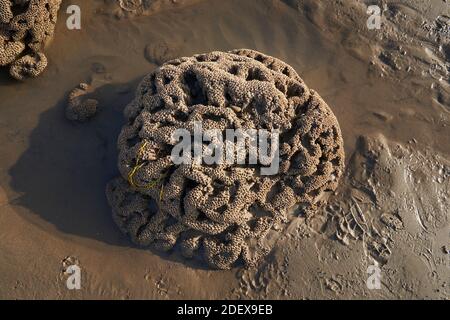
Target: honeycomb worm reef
(25,27)
(224,213)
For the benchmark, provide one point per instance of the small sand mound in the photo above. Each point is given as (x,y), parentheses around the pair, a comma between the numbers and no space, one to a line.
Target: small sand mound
(25,27)
(130,5)
(224,213)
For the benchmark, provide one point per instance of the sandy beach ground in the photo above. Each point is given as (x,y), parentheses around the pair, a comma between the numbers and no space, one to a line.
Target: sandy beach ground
(389,89)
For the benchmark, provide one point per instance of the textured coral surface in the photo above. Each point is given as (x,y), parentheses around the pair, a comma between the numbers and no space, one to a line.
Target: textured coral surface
(25,27)
(223,213)
(79,108)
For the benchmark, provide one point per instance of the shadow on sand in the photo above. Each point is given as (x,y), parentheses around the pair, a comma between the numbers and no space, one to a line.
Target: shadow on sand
(63,174)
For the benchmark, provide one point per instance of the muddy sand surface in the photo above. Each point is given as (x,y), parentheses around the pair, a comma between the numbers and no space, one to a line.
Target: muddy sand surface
(389,89)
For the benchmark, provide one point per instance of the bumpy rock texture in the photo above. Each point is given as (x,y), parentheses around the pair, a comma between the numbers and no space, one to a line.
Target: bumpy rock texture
(224,213)
(25,27)
(79,108)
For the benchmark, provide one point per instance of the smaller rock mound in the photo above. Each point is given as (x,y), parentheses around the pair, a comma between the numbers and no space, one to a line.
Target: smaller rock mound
(79,108)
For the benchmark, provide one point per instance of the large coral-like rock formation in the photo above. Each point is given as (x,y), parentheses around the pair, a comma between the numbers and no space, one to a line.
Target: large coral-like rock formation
(25,27)
(224,213)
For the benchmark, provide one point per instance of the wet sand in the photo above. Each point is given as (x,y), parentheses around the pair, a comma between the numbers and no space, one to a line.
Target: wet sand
(389,89)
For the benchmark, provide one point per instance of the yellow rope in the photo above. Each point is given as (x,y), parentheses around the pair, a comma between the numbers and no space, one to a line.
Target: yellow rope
(152,184)
(161,192)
